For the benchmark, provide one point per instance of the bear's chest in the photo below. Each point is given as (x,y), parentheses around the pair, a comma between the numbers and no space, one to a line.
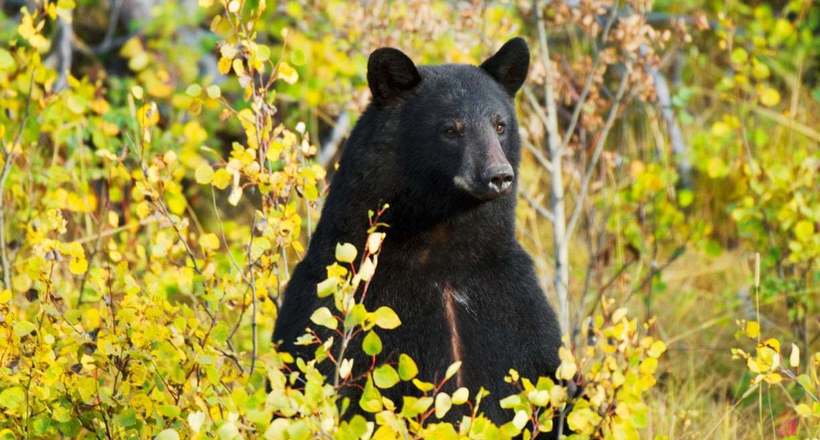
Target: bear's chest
(444,320)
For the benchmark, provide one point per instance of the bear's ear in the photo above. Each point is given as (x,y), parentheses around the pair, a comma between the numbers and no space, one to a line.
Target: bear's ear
(390,73)
(509,65)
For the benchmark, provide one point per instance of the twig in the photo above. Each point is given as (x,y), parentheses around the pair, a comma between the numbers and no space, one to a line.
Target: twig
(331,146)
(679,147)
(596,154)
(63,52)
(576,113)
(113,19)
(537,206)
(538,155)
(8,161)
(253,294)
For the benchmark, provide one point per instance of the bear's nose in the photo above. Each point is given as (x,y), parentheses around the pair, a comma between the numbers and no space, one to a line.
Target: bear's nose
(499,178)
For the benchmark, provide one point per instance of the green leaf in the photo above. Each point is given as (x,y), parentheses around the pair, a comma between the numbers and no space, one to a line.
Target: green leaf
(413,406)
(127,418)
(407,367)
(739,56)
(510,401)
(371,400)
(386,318)
(23,328)
(12,398)
(685,197)
(385,376)
(6,60)
(372,344)
(323,317)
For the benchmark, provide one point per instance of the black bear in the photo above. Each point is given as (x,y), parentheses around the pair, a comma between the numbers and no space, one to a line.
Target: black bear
(440,144)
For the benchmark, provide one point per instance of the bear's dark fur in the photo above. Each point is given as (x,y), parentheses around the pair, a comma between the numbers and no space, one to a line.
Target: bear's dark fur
(440,144)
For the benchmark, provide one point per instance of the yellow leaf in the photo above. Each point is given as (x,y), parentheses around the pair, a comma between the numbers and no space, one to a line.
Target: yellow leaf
(287,73)
(520,419)
(238,67)
(167,434)
(794,358)
(345,252)
(5,296)
(213,91)
(460,396)
(78,266)
(204,174)
(443,404)
(753,329)
(221,178)
(769,96)
(716,168)
(657,349)
(148,115)
(91,319)
(802,410)
(374,242)
(367,269)
(567,369)
(773,378)
(386,318)
(6,60)
(323,317)
(452,370)
(235,196)
(209,242)
(224,65)
(137,92)
(804,230)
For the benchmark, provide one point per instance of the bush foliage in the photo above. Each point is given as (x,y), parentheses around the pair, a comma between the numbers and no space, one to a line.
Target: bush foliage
(163,164)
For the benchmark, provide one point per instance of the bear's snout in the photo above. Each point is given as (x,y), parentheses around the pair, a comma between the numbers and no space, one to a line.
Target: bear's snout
(497,179)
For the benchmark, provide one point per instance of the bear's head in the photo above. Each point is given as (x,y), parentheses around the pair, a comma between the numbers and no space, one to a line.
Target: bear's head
(454,131)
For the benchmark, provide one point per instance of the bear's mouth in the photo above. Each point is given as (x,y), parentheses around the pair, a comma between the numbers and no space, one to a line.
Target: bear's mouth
(483,192)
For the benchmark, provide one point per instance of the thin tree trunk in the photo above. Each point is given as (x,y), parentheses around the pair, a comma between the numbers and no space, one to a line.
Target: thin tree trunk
(554,143)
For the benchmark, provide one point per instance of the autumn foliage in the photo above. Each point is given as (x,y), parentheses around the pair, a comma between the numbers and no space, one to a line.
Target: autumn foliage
(161,172)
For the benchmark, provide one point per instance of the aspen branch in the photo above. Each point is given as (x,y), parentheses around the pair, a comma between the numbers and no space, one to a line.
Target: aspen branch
(576,113)
(596,155)
(538,155)
(536,205)
(331,146)
(63,52)
(554,144)
(676,140)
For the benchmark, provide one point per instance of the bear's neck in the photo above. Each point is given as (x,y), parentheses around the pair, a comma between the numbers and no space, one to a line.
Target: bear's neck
(463,233)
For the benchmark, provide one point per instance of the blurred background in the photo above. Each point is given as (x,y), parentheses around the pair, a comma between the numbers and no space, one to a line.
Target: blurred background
(671,155)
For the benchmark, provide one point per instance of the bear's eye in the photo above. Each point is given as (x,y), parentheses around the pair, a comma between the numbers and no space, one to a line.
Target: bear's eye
(500,127)
(454,130)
